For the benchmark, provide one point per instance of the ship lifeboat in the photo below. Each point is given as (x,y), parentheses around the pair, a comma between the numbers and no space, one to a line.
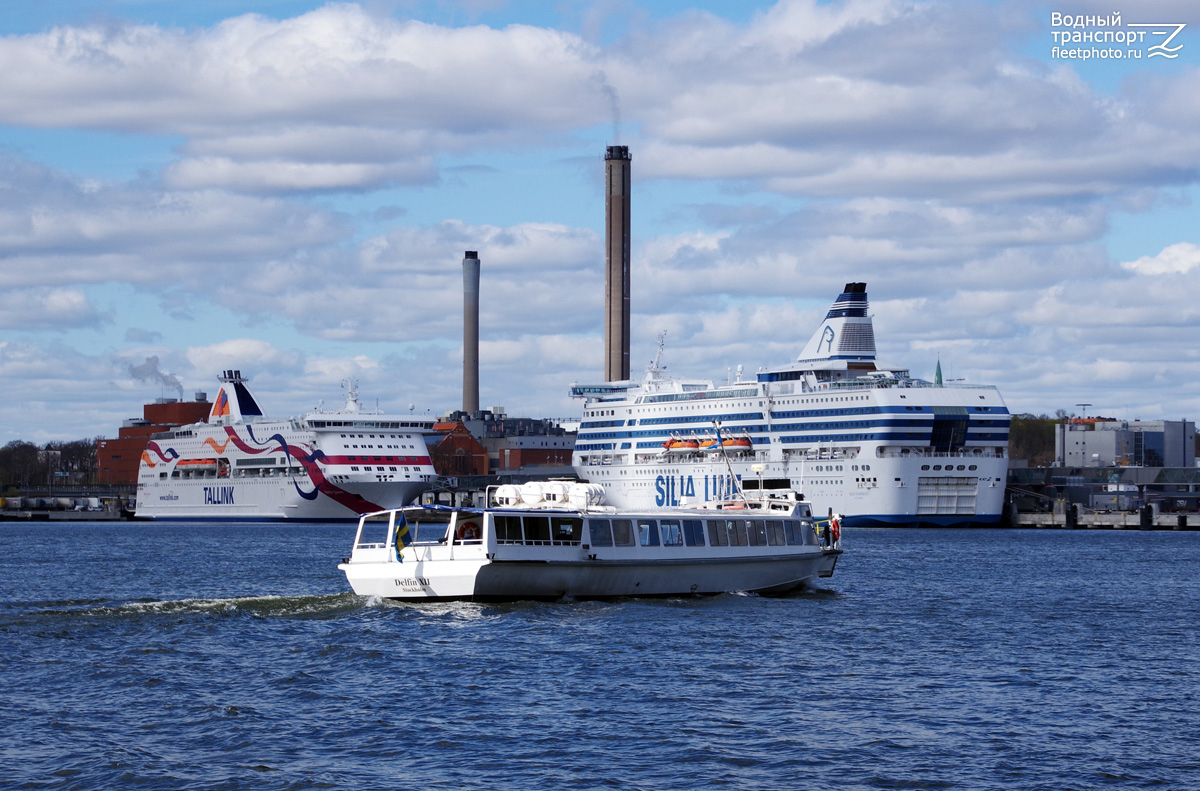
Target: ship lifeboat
(738,445)
(681,446)
(507,495)
(196,465)
(532,492)
(707,444)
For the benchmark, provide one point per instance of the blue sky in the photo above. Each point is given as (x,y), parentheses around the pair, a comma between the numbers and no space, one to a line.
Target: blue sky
(288,187)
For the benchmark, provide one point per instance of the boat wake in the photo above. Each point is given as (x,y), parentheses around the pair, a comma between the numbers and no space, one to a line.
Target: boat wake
(310,606)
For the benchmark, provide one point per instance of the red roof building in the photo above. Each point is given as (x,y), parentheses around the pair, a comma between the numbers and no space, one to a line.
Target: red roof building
(118,459)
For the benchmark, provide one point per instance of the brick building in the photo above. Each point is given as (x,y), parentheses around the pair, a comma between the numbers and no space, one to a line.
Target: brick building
(457,452)
(118,459)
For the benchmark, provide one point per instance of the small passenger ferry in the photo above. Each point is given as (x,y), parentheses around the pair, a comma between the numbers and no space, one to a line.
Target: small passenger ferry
(557,540)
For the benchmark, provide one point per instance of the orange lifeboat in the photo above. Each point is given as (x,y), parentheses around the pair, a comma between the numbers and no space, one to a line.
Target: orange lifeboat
(681,446)
(197,465)
(738,444)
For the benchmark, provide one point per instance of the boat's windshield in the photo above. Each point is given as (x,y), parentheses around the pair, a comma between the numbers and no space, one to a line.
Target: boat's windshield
(374,530)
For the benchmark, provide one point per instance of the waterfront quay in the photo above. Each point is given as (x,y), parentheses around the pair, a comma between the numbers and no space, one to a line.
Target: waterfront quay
(21,515)
(1071,517)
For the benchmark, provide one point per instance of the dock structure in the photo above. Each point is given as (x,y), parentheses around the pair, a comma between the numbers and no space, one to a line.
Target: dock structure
(19,515)
(1072,517)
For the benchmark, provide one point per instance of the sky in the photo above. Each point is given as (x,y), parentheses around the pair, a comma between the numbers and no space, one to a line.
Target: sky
(287,188)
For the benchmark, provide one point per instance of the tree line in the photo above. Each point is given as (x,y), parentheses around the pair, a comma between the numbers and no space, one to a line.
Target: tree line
(24,465)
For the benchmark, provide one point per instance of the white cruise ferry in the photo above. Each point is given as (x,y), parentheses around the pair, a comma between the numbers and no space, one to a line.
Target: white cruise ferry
(863,439)
(243,465)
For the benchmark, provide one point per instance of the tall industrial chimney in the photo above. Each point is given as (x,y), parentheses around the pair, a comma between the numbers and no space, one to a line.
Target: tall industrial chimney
(470,333)
(616,256)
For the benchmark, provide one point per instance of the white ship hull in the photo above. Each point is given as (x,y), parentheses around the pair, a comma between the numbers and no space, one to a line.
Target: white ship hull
(241,466)
(897,492)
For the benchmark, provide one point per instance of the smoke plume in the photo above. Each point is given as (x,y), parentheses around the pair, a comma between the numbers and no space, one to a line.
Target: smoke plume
(148,372)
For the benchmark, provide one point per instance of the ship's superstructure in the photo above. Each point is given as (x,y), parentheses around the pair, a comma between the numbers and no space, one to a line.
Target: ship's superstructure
(242,465)
(863,439)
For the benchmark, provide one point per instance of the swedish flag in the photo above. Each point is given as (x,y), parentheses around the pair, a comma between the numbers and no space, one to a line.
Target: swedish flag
(403,536)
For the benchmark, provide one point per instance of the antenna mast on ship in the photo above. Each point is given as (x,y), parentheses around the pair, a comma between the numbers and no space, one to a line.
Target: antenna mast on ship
(655,368)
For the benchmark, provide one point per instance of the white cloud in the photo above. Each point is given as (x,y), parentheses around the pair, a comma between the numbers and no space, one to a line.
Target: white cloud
(246,354)
(46,308)
(1179,258)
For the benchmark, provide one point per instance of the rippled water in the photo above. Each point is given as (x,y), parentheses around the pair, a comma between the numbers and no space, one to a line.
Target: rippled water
(233,657)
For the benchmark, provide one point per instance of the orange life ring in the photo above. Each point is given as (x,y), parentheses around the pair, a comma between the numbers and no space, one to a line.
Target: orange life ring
(468,531)
(835,529)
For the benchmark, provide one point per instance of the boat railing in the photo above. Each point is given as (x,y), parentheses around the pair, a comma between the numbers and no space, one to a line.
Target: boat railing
(829,532)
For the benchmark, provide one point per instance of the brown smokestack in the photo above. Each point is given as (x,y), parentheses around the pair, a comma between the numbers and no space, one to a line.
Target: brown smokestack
(470,332)
(617,163)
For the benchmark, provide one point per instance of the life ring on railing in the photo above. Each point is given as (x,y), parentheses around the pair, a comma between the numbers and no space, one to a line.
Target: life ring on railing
(835,529)
(468,531)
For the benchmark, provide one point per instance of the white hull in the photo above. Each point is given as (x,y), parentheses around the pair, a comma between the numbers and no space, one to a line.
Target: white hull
(241,465)
(479,579)
(897,491)
(262,500)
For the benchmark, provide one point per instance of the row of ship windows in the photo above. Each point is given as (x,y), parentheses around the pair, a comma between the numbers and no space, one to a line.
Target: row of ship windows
(950,467)
(654,532)
(691,407)
(656,435)
(727,418)
(808,400)
(254,472)
(838,467)
(381,436)
(354,468)
(589,442)
(372,436)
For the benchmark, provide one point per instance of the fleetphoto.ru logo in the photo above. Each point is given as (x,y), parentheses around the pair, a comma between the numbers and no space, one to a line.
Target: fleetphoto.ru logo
(1077,37)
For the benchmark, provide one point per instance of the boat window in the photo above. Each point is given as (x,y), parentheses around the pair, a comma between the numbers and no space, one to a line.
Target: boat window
(600,533)
(717,535)
(648,532)
(776,536)
(795,532)
(757,532)
(374,531)
(537,528)
(737,532)
(672,534)
(566,529)
(508,528)
(693,532)
(622,532)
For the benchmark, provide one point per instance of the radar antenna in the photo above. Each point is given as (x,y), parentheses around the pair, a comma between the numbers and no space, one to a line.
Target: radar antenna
(656,367)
